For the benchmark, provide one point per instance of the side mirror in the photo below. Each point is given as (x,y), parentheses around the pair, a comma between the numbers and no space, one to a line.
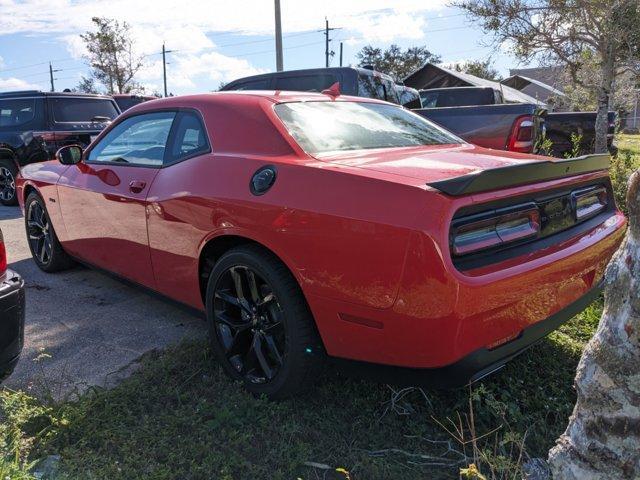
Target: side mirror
(69,155)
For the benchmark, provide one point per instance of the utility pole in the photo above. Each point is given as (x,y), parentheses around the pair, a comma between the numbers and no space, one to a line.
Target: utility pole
(340,53)
(51,77)
(327,53)
(164,67)
(51,72)
(279,66)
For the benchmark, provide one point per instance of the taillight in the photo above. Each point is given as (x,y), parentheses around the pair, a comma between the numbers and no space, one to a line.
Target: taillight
(522,135)
(589,202)
(495,229)
(3,255)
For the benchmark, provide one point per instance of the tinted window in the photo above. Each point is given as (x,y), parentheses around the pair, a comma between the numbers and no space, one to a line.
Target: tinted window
(125,103)
(305,83)
(332,126)
(371,87)
(189,138)
(18,112)
(456,98)
(138,140)
(253,85)
(81,109)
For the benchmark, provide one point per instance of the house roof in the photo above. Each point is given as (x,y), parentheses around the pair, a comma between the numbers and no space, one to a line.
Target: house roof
(436,76)
(550,75)
(520,81)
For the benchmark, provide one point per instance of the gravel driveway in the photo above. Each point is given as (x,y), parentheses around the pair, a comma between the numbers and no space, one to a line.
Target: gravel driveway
(83,327)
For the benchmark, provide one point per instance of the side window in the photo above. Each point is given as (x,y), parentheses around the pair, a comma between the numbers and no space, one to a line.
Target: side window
(21,113)
(138,140)
(371,87)
(189,138)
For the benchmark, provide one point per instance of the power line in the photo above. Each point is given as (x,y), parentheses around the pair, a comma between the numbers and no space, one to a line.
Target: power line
(68,59)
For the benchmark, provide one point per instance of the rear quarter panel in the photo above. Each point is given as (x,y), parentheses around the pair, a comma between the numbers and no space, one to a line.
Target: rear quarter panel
(342,236)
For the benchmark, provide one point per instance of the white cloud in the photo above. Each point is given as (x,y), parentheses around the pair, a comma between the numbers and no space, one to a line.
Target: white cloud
(13,83)
(192,27)
(243,16)
(387,27)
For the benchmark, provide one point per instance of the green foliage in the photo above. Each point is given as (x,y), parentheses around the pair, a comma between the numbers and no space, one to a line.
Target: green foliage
(544,146)
(23,422)
(622,167)
(576,148)
(110,53)
(394,61)
(479,68)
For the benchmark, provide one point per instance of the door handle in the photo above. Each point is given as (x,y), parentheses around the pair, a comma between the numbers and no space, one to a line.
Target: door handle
(136,186)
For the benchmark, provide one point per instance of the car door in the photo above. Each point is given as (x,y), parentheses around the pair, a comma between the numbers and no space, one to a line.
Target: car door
(178,218)
(103,199)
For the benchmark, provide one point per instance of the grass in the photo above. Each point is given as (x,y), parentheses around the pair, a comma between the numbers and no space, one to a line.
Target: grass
(180,417)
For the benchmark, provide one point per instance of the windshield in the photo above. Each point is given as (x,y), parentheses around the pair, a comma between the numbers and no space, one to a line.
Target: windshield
(334,126)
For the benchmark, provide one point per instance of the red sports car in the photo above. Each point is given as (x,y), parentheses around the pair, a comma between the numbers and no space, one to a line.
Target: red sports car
(317,225)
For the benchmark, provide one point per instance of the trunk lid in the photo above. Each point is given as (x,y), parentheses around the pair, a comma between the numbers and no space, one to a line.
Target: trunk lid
(431,163)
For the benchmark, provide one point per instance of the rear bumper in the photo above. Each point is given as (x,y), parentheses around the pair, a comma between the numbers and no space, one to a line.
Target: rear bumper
(12,310)
(477,364)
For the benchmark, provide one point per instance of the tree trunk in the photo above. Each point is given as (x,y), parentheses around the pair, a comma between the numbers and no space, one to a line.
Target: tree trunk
(604,94)
(602,440)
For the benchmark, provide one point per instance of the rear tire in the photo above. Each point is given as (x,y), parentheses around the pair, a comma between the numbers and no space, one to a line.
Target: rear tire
(43,242)
(8,173)
(260,326)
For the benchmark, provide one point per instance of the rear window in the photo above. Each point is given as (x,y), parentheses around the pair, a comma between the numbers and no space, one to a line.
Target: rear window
(82,109)
(305,83)
(17,112)
(262,84)
(335,126)
(456,98)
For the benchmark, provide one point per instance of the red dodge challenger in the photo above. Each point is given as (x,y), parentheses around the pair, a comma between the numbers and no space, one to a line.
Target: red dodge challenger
(315,225)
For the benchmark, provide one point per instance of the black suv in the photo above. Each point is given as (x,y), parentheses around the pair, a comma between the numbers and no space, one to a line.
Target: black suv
(34,125)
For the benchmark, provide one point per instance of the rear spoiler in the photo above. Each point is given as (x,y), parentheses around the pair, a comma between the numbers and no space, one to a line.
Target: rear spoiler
(520,174)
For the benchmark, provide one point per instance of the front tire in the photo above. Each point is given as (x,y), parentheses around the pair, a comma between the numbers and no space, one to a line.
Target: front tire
(260,326)
(43,242)
(8,173)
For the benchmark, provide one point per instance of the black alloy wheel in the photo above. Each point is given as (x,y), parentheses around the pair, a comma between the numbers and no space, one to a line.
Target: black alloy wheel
(249,324)
(260,326)
(39,233)
(43,242)
(7,185)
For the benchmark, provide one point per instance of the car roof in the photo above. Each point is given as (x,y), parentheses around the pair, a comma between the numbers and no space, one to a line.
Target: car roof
(310,71)
(39,93)
(243,96)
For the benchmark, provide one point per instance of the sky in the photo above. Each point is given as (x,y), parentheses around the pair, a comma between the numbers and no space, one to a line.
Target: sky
(215,41)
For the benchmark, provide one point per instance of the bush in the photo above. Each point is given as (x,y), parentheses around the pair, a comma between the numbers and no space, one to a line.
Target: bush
(622,167)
